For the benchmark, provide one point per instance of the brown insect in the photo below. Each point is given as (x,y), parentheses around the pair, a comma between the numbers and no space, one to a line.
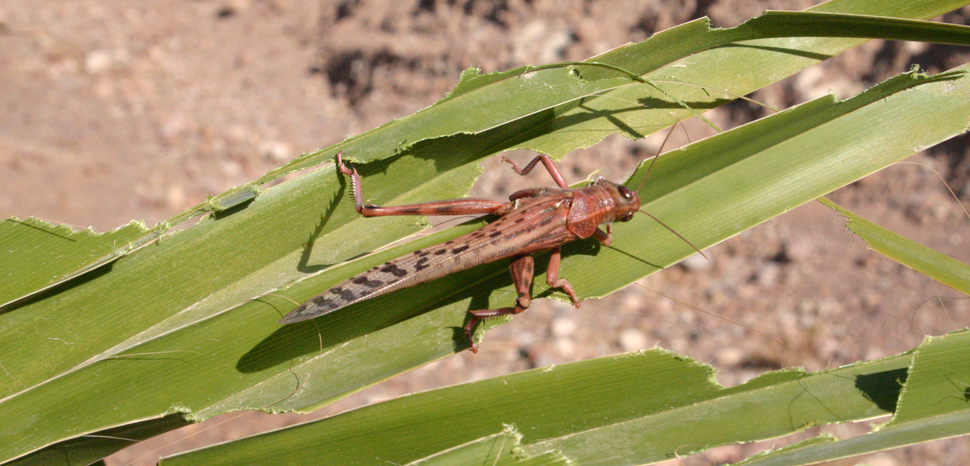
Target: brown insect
(539,219)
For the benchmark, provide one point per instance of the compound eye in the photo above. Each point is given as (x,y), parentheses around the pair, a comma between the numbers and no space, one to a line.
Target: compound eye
(627,217)
(625,192)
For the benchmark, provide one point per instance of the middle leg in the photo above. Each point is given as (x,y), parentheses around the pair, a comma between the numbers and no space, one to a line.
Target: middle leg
(552,276)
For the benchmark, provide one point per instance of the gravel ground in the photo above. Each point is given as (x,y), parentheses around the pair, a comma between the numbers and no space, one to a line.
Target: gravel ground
(114,110)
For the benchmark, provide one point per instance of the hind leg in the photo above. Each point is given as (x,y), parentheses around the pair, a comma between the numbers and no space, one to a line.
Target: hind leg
(523,269)
(446,207)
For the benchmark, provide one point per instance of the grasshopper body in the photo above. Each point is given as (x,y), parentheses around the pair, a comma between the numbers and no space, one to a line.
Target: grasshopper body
(541,219)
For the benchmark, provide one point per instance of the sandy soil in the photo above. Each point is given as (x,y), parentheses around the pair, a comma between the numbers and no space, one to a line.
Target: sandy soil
(114,110)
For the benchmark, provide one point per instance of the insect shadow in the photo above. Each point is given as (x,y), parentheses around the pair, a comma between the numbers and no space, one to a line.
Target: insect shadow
(883,388)
(354,321)
(304,264)
(476,285)
(963,388)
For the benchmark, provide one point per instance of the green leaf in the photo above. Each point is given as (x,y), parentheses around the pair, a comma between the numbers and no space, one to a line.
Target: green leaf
(188,324)
(933,264)
(794,448)
(636,408)
(498,449)
(56,254)
(88,449)
(934,404)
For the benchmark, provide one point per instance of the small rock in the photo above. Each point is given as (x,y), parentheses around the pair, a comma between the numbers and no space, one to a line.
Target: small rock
(882,459)
(174,126)
(829,307)
(525,339)
(175,197)
(565,347)
(724,455)
(276,151)
(378,397)
(630,301)
(696,263)
(914,48)
(872,300)
(563,327)
(232,8)
(98,61)
(955,239)
(800,249)
(828,349)
(730,357)
(555,45)
(874,352)
(240,133)
(632,339)
(232,169)
(767,274)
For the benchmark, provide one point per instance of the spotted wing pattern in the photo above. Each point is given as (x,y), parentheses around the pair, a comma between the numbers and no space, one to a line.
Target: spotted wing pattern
(533,225)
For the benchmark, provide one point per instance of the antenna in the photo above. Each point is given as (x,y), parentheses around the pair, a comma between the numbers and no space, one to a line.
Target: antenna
(652,162)
(674,232)
(664,143)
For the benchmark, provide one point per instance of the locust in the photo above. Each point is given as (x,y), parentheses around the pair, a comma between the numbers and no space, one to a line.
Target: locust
(534,220)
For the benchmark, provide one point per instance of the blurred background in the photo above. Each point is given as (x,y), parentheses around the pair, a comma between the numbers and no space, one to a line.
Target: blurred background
(115,110)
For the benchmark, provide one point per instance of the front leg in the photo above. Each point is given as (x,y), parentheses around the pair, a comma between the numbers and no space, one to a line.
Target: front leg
(552,276)
(604,237)
(535,192)
(447,207)
(523,269)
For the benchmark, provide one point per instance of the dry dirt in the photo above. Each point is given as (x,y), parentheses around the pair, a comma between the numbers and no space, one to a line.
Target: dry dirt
(114,110)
